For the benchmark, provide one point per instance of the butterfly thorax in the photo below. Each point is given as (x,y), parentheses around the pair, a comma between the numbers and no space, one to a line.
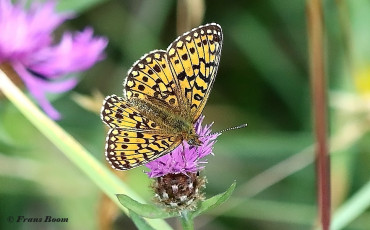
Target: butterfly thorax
(171,122)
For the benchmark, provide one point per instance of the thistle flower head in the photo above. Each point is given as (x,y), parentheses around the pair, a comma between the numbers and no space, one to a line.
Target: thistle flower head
(185,158)
(26,44)
(177,183)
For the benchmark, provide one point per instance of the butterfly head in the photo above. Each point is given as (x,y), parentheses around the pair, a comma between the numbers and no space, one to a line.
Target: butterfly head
(194,141)
(192,138)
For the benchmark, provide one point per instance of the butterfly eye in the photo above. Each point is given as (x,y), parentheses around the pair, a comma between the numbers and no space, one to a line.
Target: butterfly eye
(194,141)
(191,142)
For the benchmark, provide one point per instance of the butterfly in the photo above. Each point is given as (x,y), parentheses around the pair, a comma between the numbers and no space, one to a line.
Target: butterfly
(165,92)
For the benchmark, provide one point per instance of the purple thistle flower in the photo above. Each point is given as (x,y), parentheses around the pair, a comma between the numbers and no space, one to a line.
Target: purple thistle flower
(185,158)
(26,43)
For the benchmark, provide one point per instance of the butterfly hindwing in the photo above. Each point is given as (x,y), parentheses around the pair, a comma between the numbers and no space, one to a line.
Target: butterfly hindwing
(117,113)
(127,149)
(194,58)
(151,77)
(133,139)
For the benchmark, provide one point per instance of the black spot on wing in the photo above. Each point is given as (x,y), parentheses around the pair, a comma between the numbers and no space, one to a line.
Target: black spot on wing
(157,68)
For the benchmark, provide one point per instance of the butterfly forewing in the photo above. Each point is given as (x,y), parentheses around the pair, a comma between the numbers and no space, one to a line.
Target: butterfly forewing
(151,77)
(194,58)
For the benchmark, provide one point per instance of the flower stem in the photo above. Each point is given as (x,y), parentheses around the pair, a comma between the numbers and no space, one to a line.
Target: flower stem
(186,222)
(100,175)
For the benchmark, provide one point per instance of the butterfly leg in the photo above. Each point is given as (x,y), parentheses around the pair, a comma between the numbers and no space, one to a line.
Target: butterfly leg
(183,153)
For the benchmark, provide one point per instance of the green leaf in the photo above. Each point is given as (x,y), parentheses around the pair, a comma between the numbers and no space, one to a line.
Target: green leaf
(213,202)
(140,223)
(144,210)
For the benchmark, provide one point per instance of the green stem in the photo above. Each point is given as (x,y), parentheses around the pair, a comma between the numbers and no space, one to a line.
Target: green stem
(100,175)
(186,221)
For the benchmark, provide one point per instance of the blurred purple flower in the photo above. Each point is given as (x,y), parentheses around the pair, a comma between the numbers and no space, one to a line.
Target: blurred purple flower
(185,158)
(26,43)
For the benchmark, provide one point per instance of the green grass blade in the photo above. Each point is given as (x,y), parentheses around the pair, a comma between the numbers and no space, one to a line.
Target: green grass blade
(353,208)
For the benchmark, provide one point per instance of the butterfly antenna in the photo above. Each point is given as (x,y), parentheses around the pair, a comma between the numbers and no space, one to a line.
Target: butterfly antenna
(232,128)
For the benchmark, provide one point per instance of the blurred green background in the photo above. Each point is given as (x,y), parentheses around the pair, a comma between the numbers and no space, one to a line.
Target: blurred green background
(263,79)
